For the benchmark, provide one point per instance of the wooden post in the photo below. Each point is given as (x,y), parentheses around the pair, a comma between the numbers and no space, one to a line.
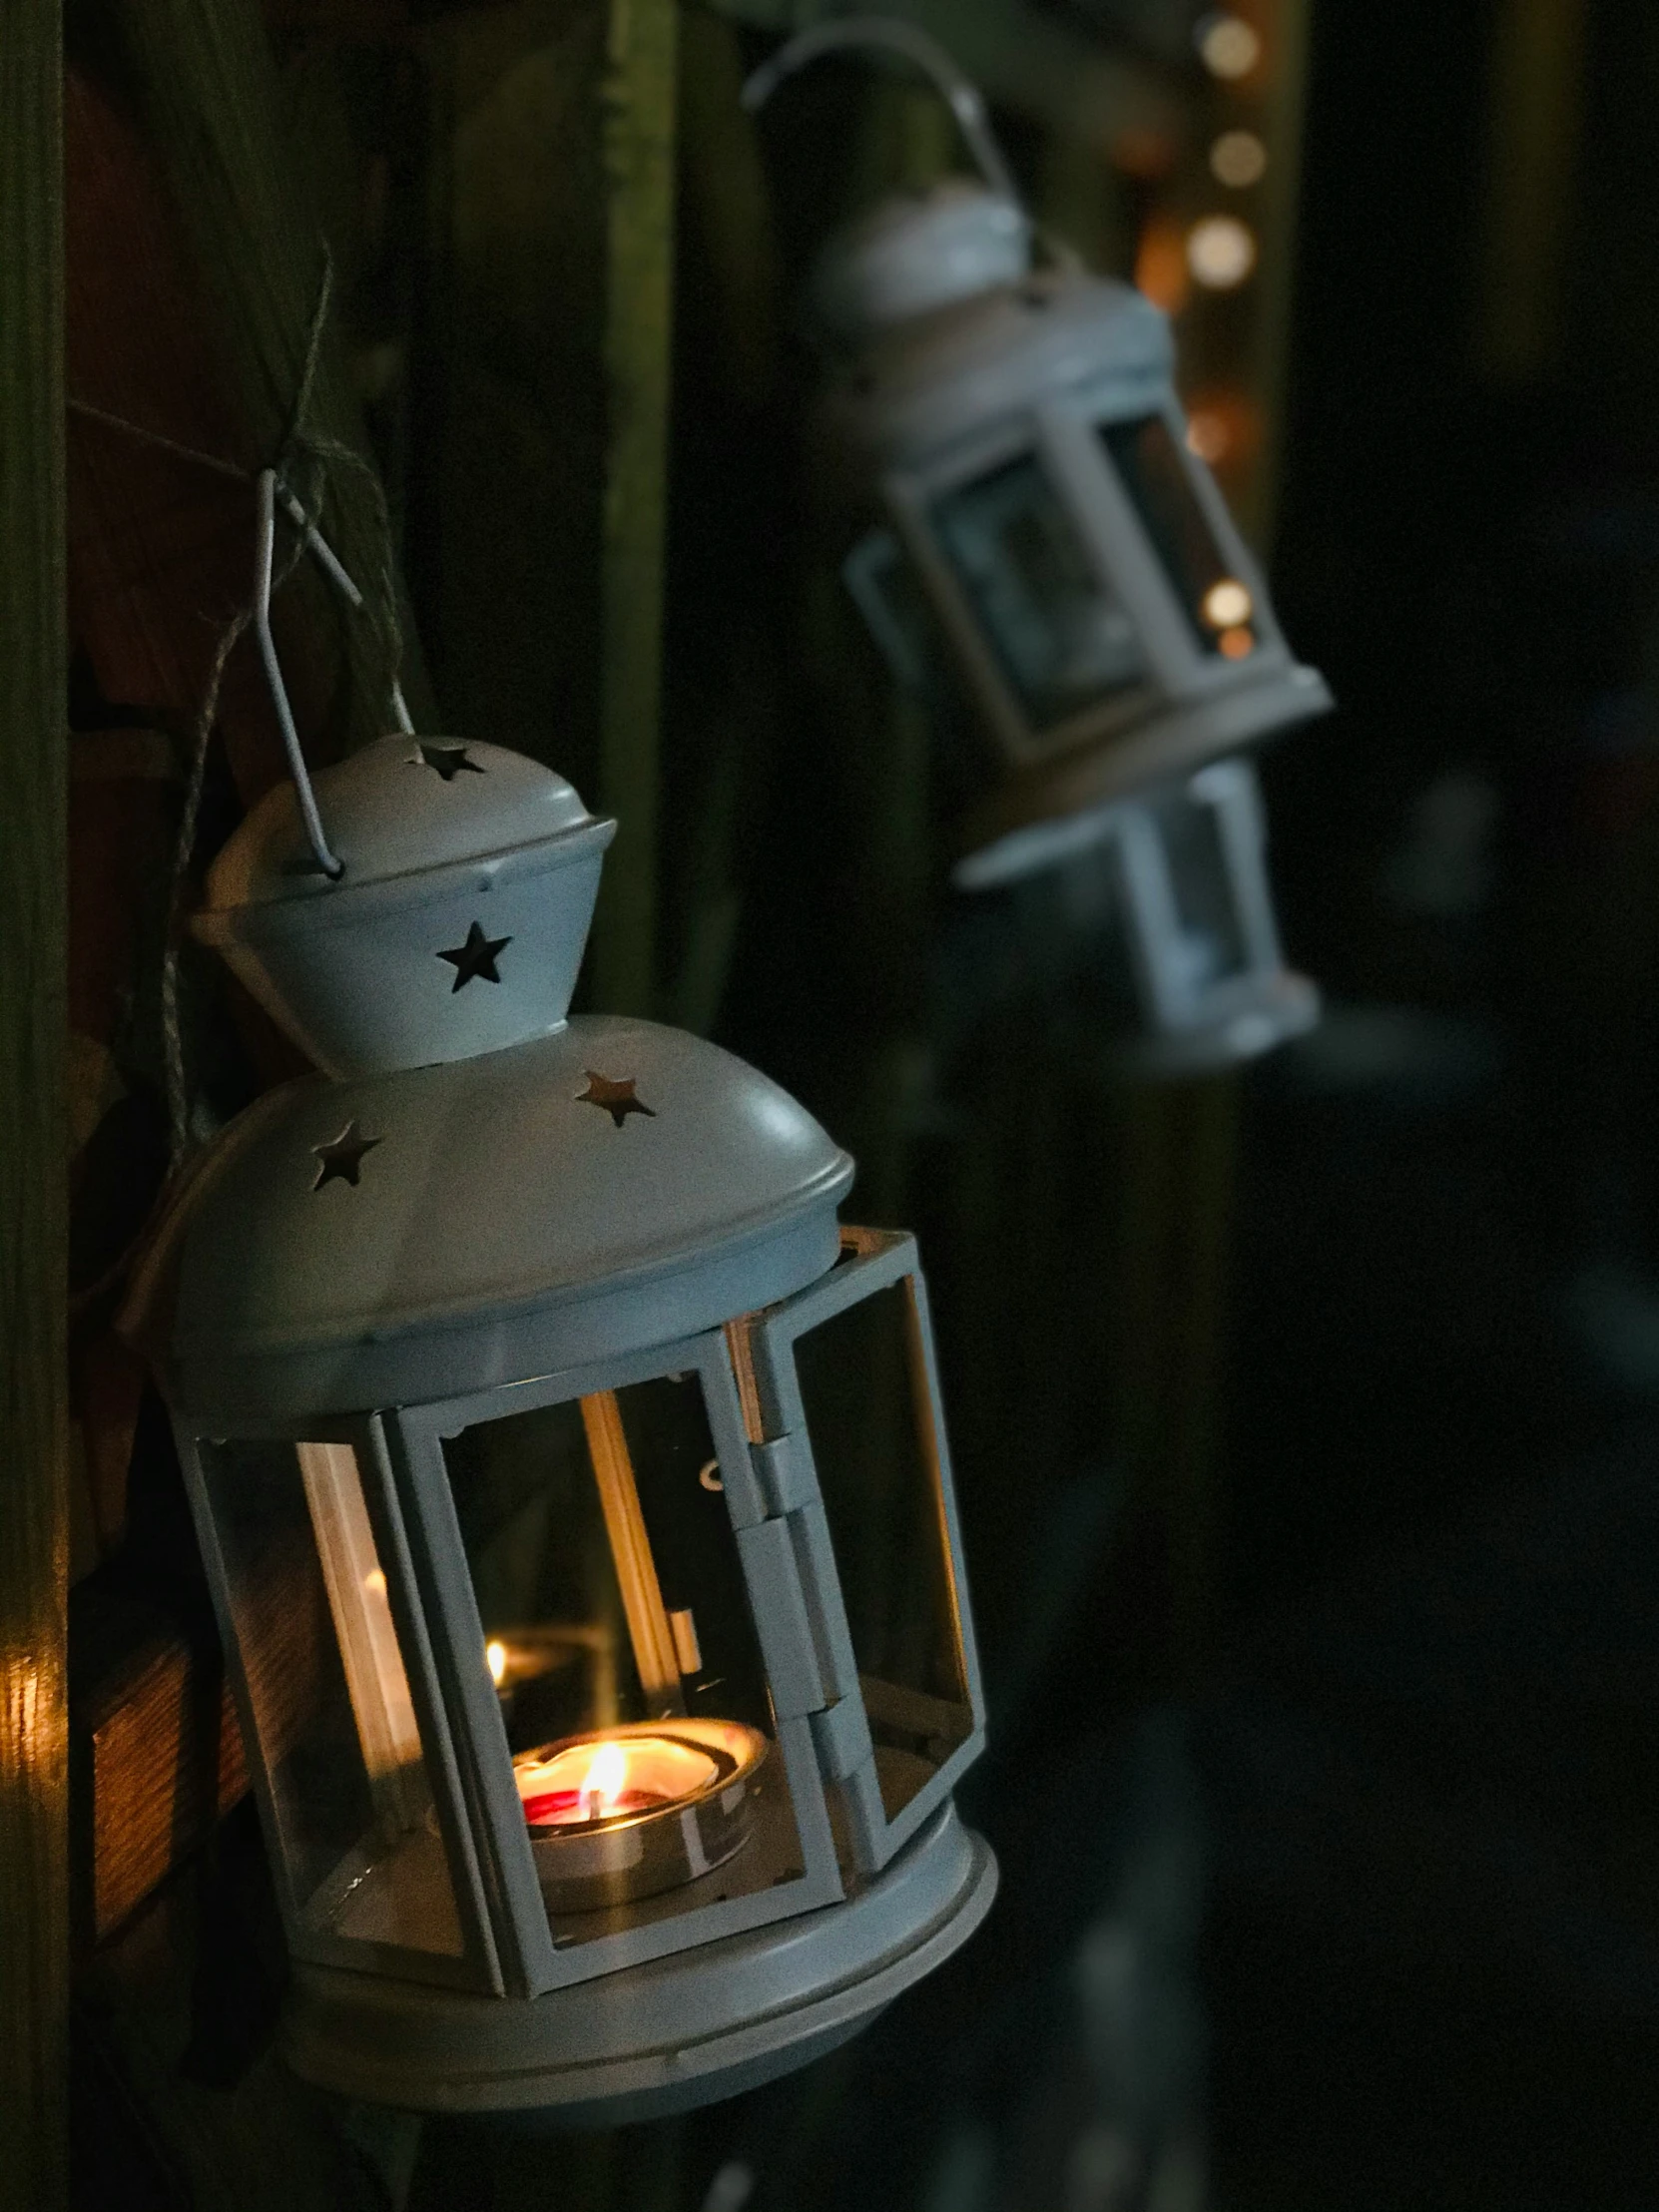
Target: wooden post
(1170,1266)
(639,104)
(1537,98)
(1254,493)
(34,1551)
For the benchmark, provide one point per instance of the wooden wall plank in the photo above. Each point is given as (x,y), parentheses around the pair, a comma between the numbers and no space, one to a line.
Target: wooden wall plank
(639,147)
(1539,50)
(164,1762)
(34,1733)
(1254,493)
(212,107)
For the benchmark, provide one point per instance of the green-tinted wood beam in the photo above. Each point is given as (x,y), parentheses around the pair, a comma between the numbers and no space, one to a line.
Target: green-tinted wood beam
(1171,1258)
(34,1725)
(1256,501)
(639,97)
(1537,112)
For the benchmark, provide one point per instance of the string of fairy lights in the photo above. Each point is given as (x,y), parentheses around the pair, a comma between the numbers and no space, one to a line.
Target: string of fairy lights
(1202,240)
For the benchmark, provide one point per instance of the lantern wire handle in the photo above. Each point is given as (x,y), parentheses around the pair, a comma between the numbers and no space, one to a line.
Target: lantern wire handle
(962,94)
(265,557)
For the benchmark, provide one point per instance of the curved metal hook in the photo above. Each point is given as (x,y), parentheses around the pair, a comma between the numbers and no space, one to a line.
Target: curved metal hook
(963,96)
(265,557)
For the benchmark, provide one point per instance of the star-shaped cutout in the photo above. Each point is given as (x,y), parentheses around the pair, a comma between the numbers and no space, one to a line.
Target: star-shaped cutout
(475,957)
(615,1094)
(342,1161)
(448,760)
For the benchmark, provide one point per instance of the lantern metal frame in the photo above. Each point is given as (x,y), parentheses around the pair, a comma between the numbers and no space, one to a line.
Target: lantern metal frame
(480,1966)
(778,1604)
(1206,1022)
(1035,550)
(758,1425)
(874,1259)
(318,1363)
(1063,436)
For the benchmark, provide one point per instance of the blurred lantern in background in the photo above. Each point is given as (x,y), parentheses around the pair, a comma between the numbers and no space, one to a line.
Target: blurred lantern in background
(1056,570)
(574,1489)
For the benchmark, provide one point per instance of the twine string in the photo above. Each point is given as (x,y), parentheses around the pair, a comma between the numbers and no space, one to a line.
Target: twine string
(264,582)
(314,453)
(300,479)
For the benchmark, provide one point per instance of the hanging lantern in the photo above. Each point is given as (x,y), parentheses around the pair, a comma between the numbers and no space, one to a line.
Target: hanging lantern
(573,1488)
(1054,569)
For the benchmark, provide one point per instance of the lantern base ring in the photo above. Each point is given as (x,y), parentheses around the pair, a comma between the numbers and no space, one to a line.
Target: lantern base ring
(1065,803)
(661,2037)
(1240,1029)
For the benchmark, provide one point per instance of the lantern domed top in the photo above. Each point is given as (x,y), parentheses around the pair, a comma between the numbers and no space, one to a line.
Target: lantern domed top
(399,809)
(457,922)
(488,1188)
(915,254)
(432,1231)
(924,382)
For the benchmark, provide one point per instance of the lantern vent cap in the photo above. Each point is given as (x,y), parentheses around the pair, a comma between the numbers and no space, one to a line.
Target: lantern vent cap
(457,922)
(912,255)
(401,806)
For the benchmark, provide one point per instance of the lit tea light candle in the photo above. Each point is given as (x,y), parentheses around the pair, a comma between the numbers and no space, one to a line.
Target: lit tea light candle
(598,1782)
(633,1810)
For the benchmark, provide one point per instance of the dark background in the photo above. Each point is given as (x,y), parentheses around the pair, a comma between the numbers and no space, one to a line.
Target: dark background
(1305,1429)
(1433,1931)
(1379,1845)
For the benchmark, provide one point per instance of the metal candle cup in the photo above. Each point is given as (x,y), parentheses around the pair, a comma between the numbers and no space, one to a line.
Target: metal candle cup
(627,1812)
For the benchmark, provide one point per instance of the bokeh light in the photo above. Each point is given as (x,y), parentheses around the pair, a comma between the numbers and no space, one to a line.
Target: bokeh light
(1239,159)
(1227,604)
(1223,427)
(1227,45)
(1161,270)
(1208,435)
(1220,251)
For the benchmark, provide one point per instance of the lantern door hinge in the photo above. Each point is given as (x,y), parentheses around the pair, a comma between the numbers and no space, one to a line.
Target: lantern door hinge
(841,1737)
(784,1469)
(814,1557)
(783,1620)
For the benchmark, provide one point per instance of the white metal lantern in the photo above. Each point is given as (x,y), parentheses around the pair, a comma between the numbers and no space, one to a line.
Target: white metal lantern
(573,1488)
(1051,557)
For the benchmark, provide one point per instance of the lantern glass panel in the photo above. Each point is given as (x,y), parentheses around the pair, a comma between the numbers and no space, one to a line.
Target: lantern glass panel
(327,1695)
(1062,637)
(1212,944)
(889,594)
(611,1594)
(1219,605)
(869,1418)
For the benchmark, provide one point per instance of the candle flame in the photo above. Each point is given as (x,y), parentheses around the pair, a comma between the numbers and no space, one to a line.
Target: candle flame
(606,1777)
(495,1657)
